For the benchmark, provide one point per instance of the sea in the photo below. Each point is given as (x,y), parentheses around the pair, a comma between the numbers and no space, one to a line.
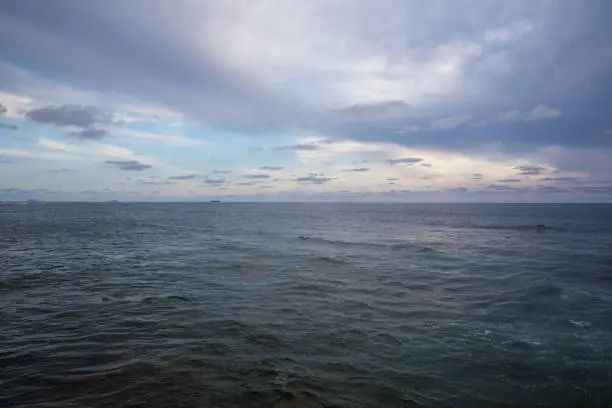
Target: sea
(305,305)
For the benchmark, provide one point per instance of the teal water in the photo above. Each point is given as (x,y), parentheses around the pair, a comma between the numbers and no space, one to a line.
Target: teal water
(305,305)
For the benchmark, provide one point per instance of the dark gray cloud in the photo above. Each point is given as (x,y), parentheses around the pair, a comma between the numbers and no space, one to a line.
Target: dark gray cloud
(425,165)
(392,179)
(271,168)
(477,176)
(221,171)
(560,179)
(59,171)
(246,183)
(313,179)
(69,115)
(89,134)
(6,126)
(359,169)
(509,180)
(215,182)
(530,170)
(256,176)
(3,109)
(406,160)
(85,118)
(185,177)
(4,161)
(129,165)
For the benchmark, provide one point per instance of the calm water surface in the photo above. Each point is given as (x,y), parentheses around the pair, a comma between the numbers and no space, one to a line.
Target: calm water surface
(305,305)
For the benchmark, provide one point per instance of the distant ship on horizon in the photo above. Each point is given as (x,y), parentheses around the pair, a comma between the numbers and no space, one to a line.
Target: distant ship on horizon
(215,201)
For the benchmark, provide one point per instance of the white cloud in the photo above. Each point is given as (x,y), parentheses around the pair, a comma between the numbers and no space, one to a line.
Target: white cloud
(15,104)
(97,150)
(166,139)
(442,169)
(34,154)
(327,52)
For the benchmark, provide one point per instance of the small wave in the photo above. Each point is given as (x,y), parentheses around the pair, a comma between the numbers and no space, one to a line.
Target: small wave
(146,299)
(395,247)
(580,323)
(332,260)
(536,227)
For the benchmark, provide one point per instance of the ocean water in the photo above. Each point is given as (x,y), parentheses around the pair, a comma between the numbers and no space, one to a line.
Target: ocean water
(305,305)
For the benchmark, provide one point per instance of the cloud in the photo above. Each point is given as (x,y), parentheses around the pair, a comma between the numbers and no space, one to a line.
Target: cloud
(540,112)
(560,179)
(221,171)
(347,70)
(256,176)
(509,180)
(3,109)
(502,188)
(56,171)
(271,168)
(406,160)
(458,190)
(530,170)
(129,165)
(392,179)
(154,183)
(215,182)
(376,110)
(551,190)
(477,176)
(4,161)
(89,134)
(5,126)
(359,170)
(161,138)
(69,115)
(245,183)
(299,147)
(95,149)
(185,177)
(313,179)
(35,154)
(425,165)
(603,190)
(445,123)
(449,123)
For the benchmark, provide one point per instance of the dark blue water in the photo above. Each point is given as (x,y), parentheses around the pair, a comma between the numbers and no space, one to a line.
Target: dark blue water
(305,305)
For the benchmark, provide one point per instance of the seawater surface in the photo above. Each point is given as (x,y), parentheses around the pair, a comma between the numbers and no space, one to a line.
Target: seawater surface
(305,305)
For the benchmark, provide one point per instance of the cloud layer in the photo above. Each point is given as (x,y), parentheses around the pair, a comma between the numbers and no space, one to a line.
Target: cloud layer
(491,96)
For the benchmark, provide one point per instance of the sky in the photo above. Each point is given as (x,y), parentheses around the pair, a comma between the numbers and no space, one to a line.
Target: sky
(319,100)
